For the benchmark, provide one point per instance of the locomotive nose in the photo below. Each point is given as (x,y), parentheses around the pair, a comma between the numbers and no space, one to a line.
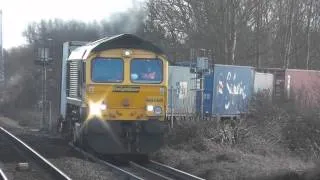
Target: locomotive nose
(125,102)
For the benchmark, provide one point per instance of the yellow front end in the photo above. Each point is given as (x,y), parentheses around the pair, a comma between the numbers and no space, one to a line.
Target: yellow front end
(126,100)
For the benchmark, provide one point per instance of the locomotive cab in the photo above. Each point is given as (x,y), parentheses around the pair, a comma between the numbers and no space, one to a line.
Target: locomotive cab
(116,96)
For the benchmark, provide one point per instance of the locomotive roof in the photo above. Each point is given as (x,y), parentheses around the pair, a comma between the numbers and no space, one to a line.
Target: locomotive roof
(119,41)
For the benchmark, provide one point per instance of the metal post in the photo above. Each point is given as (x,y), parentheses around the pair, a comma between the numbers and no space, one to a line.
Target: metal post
(171,89)
(42,98)
(201,94)
(50,118)
(43,59)
(44,123)
(45,98)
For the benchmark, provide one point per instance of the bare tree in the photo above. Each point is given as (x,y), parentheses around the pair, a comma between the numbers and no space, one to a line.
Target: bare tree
(308,32)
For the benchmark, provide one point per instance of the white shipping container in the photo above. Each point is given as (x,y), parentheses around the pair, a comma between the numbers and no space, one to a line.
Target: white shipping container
(263,82)
(181,92)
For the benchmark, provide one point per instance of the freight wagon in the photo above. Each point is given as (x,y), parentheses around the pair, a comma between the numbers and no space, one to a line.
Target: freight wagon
(181,96)
(233,87)
(228,89)
(303,86)
(263,83)
(278,93)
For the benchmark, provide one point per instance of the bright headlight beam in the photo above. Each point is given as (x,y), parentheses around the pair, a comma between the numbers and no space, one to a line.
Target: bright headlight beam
(149,108)
(95,109)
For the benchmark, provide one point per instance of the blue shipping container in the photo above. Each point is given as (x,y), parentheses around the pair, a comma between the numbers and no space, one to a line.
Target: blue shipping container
(198,102)
(232,90)
(208,93)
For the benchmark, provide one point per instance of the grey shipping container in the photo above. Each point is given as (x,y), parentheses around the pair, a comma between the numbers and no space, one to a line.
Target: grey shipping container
(181,93)
(263,82)
(233,87)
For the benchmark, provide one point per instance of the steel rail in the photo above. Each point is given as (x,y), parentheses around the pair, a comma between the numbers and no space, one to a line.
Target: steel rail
(153,174)
(112,166)
(2,175)
(174,172)
(35,155)
(160,174)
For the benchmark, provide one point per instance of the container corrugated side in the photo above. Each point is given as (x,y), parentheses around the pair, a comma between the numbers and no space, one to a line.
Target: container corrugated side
(233,87)
(303,86)
(181,96)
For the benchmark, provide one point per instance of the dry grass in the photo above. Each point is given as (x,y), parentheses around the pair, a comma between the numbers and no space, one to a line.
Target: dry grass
(262,147)
(225,162)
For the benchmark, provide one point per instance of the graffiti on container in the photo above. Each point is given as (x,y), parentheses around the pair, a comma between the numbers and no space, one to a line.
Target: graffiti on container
(182,88)
(230,91)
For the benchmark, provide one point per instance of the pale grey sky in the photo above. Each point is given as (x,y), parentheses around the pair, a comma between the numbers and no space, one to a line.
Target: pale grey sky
(18,13)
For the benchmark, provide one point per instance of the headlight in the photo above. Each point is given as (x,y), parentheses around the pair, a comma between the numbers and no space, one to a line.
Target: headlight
(157,110)
(127,53)
(150,108)
(96,108)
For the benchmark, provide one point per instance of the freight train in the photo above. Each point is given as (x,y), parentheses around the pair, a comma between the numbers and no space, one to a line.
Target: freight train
(114,95)
(118,92)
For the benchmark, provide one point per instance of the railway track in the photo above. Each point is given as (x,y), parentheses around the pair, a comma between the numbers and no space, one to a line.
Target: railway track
(2,175)
(141,170)
(21,160)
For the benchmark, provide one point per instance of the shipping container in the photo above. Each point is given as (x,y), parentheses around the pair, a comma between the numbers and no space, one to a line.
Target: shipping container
(181,92)
(233,87)
(303,86)
(208,93)
(263,83)
(279,82)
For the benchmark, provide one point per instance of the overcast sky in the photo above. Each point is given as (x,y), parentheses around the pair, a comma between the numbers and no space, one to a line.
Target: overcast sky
(18,13)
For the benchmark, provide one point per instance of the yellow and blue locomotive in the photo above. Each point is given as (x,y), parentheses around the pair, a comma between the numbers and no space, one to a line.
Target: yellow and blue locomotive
(114,95)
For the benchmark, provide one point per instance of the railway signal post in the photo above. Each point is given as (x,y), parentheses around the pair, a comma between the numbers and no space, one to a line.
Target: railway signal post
(202,67)
(44,59)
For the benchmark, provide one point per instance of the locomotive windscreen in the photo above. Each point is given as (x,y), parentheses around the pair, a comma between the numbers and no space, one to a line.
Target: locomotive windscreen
(146,71)
(106,70)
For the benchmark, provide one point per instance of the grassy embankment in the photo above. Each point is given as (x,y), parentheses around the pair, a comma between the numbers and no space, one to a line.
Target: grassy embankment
(274,142)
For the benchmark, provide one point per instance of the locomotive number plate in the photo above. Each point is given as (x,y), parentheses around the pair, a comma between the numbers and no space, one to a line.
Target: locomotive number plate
(126,88)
